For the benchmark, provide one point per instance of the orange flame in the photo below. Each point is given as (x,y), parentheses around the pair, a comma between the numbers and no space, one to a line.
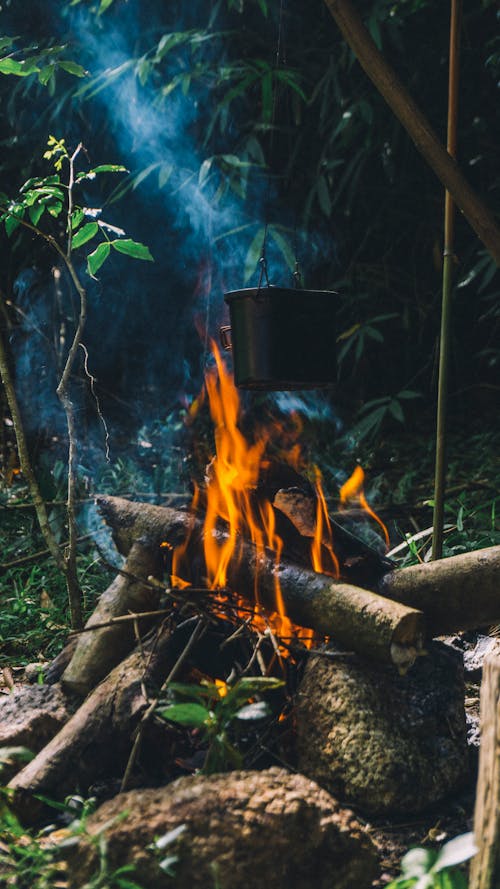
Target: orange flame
(352,489)
(232,478)
(323,538)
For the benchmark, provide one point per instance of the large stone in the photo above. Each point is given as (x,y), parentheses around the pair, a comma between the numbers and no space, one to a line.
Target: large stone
(32,714)
(384,742)
(243,830)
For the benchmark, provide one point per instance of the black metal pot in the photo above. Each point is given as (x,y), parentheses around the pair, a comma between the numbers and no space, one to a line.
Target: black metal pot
(282,338)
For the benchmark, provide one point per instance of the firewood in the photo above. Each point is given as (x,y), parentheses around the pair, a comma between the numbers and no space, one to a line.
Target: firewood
(457,593)
(98,652)
(360,563)
(97,738)
(357,619)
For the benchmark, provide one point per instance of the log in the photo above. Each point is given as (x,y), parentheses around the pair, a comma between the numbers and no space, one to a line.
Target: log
(485,866)
(357,619)
(96,740)
(97,652)
(458,593)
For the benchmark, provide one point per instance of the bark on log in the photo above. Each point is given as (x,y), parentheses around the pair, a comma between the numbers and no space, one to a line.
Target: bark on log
(415,124)
(357,619)
(97,738)
(458,593)
(485,866)
(96,653)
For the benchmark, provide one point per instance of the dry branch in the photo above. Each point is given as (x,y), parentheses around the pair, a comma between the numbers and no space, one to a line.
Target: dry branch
(357,619)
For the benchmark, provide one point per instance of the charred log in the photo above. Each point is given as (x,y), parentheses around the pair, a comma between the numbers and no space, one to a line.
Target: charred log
(357,619)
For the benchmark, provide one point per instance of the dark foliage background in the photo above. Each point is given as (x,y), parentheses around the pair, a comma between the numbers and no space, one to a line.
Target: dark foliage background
(220,141)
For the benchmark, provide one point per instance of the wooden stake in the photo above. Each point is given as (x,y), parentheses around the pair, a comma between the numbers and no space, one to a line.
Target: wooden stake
(485,866)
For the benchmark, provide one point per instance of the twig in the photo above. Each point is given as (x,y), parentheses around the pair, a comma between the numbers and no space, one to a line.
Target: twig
(122,618)
(197,633)
(100,414)
(24,560)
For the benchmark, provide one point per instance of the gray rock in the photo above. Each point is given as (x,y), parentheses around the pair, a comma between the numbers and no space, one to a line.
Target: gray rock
(32,714)
(384,742)
(242,830)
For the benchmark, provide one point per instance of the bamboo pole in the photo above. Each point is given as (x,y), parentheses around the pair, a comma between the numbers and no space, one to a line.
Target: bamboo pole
(416,124)
(448,257)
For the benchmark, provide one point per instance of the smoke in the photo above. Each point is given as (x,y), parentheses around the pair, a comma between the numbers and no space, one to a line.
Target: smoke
(148,325)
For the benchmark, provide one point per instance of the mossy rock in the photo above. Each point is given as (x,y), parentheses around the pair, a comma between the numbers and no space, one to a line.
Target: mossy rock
(381,741)
(242,830)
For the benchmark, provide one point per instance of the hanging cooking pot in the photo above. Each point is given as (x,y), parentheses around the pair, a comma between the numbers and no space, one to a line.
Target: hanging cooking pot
(282,338)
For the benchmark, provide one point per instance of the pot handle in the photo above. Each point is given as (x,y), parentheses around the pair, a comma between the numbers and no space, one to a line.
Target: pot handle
(225,337)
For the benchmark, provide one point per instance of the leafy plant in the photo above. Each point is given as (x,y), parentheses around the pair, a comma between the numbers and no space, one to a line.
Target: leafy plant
(52,195)
(217,711)
(376,411)
(429,869)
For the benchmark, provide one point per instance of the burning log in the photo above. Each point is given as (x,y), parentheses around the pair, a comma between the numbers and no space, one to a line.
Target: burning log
(357,619)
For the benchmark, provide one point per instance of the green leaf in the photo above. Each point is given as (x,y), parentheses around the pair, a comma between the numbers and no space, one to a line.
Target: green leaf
(20,69)
(253,254)
(72,67)
(5,42)
(14,220)
(324,196)
(77,218)
(55,209)
(98,257)
(104,5)
(45,74)
(164,174)
(396,410)
(456,852)
(109,168)
(36,212)
(133,248)
(267,97)
(190,715)
(86,233)
(206,691)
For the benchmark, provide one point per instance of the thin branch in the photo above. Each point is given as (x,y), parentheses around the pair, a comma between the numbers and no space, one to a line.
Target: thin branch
(199,630)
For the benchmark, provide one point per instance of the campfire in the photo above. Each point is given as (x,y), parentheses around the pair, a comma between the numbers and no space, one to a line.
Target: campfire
(239,506)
